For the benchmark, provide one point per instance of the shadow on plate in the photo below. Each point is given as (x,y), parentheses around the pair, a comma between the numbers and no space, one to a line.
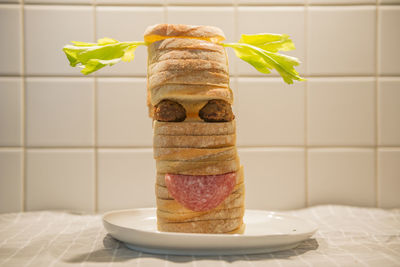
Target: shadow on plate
(116,251)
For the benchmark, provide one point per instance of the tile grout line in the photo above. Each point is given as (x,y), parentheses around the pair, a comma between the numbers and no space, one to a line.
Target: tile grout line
(96,175)
(376,101)
(307,200)
(23,106)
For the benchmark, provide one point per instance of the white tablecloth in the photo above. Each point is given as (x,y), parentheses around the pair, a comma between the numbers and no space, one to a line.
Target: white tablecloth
(347,236)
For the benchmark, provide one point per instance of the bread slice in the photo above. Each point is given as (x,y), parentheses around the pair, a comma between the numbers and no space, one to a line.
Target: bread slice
(200,141)
(188,71)
(239,230)
(178,65)
(160,177)
(194,128)
(209,77)
(167,217)
(195,154)
(162,191)
(190,93)
(187,64)
(197,54)
(208,226)
(158,49)
(197,167)
(183,30)
(234,200)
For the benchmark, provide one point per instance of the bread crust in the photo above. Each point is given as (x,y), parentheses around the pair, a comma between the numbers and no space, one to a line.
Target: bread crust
(234,200)
(163,193)
(192,96)
(195,154)
(182,30)
(185,54)
(198,167)
(167,217)
(205,77)
(175,65)
(188,71)
(185,44)
(194,128)
(239,230)
(201,141)
(208,226)
(160,177)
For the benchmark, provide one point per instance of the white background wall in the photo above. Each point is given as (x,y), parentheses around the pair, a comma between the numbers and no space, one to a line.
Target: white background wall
(84,143)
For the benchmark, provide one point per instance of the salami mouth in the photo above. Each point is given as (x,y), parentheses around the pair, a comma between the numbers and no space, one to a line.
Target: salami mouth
(200,192)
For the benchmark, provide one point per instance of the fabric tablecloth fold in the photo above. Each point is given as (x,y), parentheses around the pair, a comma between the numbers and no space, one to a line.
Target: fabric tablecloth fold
(347,236)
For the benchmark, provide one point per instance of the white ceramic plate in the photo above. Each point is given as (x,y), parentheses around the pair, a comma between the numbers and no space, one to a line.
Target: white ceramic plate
(265,232)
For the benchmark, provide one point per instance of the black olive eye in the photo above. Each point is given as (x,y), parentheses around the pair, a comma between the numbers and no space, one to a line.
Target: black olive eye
(216,111)
(169,111)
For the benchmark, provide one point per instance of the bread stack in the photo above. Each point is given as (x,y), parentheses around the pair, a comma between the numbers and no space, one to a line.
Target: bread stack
(199,185)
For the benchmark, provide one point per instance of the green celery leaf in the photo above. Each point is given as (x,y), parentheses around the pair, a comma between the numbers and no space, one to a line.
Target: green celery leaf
(253,59)
(129,54)
(106,40)
(77,43)
(72,57)
(268,41)
(264,61)
(94,56)
(95,64)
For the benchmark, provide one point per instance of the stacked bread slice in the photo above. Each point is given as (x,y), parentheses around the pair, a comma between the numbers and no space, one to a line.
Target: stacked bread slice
(181,150)
(199,184)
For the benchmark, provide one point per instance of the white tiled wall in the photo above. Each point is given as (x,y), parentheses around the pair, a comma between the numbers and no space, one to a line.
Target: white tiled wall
(84,143)
(11,51)
(125,178)
(341,40)
(275,177)
(11,111)
(47,27)
(59,112)
(277,108)
(60,178)
(342,176)
(341,111)
(120,123)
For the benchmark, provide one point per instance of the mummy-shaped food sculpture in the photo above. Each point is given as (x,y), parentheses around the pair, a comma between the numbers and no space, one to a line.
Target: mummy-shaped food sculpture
(199,182)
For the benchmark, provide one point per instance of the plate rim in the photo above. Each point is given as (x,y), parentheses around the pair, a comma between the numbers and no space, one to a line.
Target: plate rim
(209,252)
(313,225)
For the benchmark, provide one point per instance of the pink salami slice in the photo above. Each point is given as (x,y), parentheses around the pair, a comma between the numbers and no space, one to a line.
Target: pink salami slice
(200,192)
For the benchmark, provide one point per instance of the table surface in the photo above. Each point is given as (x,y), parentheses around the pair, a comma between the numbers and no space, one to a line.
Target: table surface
(347,236)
